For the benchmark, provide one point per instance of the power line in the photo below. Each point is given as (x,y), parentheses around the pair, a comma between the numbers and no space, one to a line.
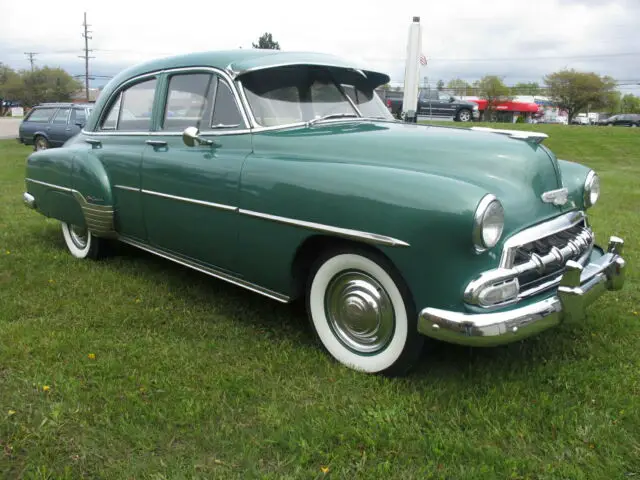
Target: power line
(31,56)
(86,55)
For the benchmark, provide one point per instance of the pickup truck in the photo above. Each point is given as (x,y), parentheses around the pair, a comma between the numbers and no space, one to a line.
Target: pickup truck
(434,103)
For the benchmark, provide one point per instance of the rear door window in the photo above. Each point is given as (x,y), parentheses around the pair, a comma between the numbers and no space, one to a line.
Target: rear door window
(42,115)
(131,110)
(61,116)
(188,100)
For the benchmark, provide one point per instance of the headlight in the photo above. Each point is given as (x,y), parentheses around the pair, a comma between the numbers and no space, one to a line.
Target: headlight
(591,189)
(475,107)
(488,223)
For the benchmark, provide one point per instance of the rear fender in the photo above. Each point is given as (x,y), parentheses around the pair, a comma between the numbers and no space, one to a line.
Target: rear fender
(92,191)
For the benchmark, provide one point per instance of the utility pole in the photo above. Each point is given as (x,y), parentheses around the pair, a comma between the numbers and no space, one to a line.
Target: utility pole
(86,55)
(31,56)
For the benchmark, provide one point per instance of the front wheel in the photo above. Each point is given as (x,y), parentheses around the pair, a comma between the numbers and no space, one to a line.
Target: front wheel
(464,115)
(362,312)
(81,243)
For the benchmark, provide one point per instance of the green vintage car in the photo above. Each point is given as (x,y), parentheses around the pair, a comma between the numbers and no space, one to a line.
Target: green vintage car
(285,174)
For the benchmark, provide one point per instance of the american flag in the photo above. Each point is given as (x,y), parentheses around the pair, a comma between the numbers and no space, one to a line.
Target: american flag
(423,59)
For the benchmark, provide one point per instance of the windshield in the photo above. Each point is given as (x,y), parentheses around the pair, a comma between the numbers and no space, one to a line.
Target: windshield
(295,94)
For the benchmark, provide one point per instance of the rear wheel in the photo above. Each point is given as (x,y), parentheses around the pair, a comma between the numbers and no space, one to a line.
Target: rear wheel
(40,143)
(464,115)
(362,312)
(81,243)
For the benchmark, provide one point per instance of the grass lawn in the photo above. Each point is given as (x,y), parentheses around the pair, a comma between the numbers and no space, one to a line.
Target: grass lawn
(134,367)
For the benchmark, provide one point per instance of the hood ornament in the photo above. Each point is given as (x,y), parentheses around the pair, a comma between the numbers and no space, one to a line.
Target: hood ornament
(557,197)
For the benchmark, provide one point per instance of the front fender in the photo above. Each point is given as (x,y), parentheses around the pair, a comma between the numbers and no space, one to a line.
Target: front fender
(431,213)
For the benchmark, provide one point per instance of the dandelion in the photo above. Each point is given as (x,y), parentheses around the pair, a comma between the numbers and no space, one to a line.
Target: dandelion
(46,388)
(635,313)
(11,412)
(324,470)
(51,280)
(137,300)
(8,252)
(92,356)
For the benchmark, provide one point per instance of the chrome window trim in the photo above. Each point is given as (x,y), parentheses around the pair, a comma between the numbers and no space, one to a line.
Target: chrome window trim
(343,232)
(218,206)
(536,232)
(156,73)
(219,274)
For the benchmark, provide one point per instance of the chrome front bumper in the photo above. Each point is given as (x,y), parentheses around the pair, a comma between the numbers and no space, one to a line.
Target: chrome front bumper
(579,287)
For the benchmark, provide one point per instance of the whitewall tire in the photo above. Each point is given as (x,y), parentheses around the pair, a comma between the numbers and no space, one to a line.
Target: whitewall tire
(80,242)
(362,312)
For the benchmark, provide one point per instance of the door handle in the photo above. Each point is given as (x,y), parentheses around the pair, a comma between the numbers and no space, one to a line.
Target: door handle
(94,142)
(68,129)
(156,143)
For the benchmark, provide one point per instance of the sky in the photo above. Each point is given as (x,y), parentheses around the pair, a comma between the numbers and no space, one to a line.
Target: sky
(520,40)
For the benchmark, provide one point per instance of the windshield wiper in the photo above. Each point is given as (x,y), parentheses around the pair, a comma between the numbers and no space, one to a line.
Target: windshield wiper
(332,115)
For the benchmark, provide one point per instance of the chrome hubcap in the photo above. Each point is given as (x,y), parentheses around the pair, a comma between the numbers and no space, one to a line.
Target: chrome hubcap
(464,116)
(79,236)
(41,145)
(359,312)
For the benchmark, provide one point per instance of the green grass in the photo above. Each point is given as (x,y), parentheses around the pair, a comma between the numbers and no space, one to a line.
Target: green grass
(194,378)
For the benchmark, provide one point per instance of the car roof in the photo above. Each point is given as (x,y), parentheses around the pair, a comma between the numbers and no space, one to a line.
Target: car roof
(235,63)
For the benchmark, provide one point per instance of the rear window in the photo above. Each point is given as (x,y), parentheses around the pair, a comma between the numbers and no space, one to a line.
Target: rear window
(40,115)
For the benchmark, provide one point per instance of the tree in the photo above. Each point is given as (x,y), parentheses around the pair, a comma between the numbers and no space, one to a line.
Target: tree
(266,42)
(493,90)
(575,91)
(630,104)
(459,87)
(526,88)
(9,85)
(440,85)
(47,85)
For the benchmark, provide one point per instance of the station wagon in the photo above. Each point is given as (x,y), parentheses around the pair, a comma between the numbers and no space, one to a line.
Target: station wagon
(51,124)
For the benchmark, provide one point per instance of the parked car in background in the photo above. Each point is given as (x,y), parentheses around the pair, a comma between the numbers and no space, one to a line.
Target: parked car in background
(52,124)
(624,120)
(436,104)
(581,119)
(292,179)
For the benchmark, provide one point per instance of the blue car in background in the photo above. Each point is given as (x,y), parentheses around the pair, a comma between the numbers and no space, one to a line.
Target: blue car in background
(52,124)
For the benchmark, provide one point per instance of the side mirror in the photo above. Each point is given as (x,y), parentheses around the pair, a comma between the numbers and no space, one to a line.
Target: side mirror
(191,136)
(80,124)
(451,99)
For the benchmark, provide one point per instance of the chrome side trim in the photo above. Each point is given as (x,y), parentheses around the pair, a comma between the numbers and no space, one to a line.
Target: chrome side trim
(555,225)
(50,185)
(342,232)
(124,187)
(208,271)
(219,206)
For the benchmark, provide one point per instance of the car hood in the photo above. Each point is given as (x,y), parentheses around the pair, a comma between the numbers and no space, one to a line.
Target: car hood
(516,171)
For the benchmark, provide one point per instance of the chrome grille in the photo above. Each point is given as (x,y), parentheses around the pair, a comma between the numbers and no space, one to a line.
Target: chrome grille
(543,260)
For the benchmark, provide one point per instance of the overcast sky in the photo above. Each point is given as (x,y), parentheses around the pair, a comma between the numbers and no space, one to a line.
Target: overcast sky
(520,40)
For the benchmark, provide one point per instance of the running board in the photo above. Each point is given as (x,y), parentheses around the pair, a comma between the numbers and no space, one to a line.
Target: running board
(532,137)
(208,270)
